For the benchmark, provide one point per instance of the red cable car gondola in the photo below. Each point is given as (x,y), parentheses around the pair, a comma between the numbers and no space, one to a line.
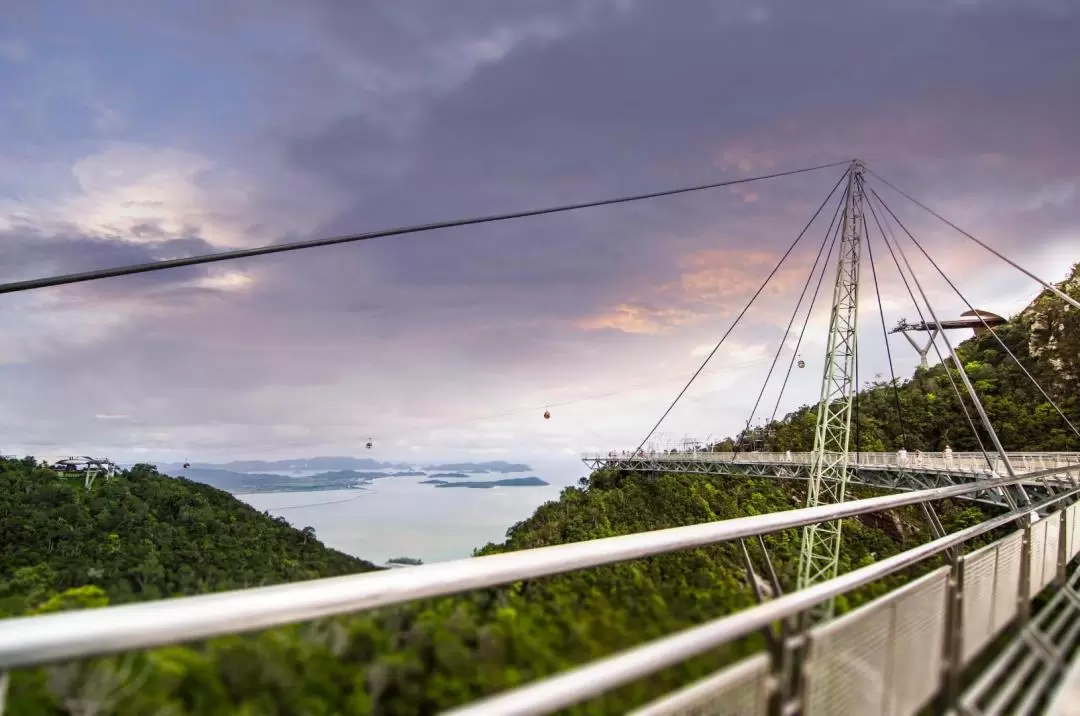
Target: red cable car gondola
(547,415)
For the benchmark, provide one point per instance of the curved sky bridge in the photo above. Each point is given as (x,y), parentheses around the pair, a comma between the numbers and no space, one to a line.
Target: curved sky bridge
(914,471)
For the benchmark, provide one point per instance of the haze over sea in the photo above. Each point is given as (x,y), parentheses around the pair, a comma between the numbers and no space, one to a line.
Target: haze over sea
(398,517)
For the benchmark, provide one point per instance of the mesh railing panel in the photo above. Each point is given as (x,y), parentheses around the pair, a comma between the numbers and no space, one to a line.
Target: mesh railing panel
(1037,548)
(883,658)
(737,690)
(978,606)
(917,645)
(1007,580)
(991,589)
(1044,552)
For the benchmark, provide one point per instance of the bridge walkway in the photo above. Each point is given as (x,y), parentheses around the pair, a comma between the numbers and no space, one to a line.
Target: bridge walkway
(876,469)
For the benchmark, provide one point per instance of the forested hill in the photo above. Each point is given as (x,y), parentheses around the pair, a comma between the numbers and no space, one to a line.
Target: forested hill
(141,536)
(1045,337)
(424,657)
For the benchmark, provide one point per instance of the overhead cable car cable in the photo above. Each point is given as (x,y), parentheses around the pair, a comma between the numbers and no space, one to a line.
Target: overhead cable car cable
(746,308)
(38,283)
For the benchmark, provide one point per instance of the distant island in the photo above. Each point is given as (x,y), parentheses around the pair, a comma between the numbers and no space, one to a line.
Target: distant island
(405,561)
(330,473)
(247,482)
(488,484)
(474,467)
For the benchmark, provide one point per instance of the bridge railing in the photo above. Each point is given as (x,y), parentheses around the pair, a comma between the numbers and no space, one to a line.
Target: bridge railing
(971,462)
(66,636)
(891,656)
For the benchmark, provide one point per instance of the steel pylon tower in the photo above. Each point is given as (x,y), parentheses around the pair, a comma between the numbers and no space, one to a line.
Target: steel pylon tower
(820,552)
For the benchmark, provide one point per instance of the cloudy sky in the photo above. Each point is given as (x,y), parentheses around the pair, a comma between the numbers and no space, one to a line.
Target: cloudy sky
(132,131)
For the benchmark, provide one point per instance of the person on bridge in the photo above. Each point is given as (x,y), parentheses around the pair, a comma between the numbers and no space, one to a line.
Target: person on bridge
(902,455)
(948,456)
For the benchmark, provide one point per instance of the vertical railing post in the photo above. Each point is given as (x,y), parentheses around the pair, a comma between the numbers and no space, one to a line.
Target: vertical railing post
(1063,549)
(953,647)
(780,681)
(1023,605)
(801,654)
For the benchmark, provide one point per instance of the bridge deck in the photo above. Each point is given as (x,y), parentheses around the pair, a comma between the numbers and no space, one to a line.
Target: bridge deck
(877,469)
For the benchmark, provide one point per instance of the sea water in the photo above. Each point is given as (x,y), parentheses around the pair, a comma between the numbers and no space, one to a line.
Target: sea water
(399,517)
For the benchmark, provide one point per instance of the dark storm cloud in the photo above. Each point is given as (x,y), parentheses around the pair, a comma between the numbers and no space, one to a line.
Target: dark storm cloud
(675,93)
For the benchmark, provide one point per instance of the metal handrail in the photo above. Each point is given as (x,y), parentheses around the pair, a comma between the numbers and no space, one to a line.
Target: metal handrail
(35,640)
(598,677)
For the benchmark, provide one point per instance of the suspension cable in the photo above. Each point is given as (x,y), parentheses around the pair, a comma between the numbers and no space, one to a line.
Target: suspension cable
(888,349)
(959,367)
(918,309)
(746,308)
(1001,342)
(806,322)
(1048,286)
(954,355)
(37,283)
(798,305)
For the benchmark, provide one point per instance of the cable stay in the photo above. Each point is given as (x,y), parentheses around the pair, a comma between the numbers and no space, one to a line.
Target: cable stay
(806,322)
(888,348)
(746,308)
(1045,284)
(829,235)
(983,417)
(990,329)
(963,373)
(885,232)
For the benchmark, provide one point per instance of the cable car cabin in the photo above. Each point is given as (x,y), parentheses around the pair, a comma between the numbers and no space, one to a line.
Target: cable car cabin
(547,415)
(801,363)
(87,468)
(369,444)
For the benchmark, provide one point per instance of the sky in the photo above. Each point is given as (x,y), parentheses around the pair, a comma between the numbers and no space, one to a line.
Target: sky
(131,133)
